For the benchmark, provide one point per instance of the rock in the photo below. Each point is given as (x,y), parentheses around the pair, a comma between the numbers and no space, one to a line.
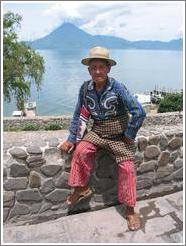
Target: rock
(17,170)
(154,140)
(8,198)
(163,142)
(35,208)
(178,174)
(5,213)
(53,142)
(19,209)
(58,195)
(138,158)
(141,184)
(142,143)
(29,195)
(50,170)
(173,156)
(34,150)
(62,180)
(4,172)
(15,183)
(147,166)
(47,186)
(46,206)
(151,152)
(178,163)
(18,153)
(175,143)
(35,161)
(34,179)
(181,152)
(164,171)
(163,158)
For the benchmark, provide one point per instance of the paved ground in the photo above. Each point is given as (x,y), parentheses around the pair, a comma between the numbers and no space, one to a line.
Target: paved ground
(162,223)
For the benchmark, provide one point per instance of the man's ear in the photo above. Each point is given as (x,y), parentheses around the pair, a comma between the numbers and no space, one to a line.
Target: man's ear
(109,68)
(89,70)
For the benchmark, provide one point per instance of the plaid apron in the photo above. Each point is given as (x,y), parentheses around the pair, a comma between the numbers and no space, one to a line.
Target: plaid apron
(108,134)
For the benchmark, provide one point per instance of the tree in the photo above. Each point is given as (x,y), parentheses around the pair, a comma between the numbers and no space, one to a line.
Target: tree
(21,65)
(171,102)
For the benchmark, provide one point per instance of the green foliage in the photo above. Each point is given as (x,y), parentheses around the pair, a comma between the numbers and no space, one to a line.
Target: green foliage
(53,126)
(30,127)
(21,65)
(171,102)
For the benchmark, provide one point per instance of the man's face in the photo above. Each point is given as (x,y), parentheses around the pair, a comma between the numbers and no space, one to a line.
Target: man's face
(98,70)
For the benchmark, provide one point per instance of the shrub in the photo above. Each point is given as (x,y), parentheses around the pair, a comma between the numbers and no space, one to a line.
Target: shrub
(30,127)
(53,126)
(171,102)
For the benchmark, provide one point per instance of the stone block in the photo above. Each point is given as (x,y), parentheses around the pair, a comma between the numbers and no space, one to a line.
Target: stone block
(5,213)
(15,183)
(58,195)
(178,174)
(173,156)
(50,170)
(18,153)
(19,209)
(17,170)
(164,171)
(147,166)
(178,163)
(47,186)
(4,172)
(138,158)
(163,158)
(29,195)
(163,142)
(34,179)
(151,152)
(154,140)
(35,161)
(175,143)
(145,183)
(142,143)
(34,150)
(62,180)
(8,198)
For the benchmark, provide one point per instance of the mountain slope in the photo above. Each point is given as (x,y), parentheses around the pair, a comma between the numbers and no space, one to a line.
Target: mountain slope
(68,36)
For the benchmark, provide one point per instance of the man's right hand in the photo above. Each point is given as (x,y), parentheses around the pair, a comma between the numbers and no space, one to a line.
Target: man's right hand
(66,146)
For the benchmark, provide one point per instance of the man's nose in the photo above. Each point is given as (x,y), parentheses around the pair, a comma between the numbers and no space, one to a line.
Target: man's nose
(97,70)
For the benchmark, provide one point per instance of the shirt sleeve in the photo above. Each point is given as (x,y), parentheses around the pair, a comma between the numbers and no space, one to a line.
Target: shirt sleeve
(135,109)
(75,119)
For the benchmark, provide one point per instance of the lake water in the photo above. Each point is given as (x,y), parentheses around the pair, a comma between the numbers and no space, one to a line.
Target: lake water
(140,70)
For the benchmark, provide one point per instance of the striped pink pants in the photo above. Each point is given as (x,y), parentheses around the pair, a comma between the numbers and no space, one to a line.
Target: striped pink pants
(82,165)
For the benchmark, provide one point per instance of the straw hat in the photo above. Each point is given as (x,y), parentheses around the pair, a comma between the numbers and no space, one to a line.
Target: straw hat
(98,53)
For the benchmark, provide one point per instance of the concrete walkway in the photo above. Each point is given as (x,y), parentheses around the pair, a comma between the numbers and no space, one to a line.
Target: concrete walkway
(162,222)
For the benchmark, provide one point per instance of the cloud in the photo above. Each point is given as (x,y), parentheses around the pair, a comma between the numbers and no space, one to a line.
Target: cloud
(129,20)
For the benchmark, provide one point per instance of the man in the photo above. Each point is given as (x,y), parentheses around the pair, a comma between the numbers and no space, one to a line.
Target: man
(108,103)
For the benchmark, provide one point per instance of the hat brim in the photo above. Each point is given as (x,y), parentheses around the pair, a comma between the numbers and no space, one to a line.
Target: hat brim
(86,61)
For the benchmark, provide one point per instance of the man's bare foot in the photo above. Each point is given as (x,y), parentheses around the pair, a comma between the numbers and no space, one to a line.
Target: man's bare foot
(133,219)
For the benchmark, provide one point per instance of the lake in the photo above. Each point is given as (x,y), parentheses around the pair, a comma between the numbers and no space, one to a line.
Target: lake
(140,70)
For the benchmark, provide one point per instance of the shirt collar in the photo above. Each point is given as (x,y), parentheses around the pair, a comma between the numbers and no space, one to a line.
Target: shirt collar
(108,87)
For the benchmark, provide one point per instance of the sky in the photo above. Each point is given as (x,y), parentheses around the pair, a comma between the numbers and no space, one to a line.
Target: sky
(131,20)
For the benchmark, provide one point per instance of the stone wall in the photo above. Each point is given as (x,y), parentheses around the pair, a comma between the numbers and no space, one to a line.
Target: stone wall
(35,173)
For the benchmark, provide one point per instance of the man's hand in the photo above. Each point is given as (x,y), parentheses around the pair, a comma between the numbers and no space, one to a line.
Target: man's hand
(66,146)
(128,140)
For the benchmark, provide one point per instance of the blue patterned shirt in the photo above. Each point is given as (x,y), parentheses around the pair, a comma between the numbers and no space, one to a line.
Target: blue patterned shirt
(113,100)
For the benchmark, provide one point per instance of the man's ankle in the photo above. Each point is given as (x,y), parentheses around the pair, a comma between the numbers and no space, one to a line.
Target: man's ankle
(129,210)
